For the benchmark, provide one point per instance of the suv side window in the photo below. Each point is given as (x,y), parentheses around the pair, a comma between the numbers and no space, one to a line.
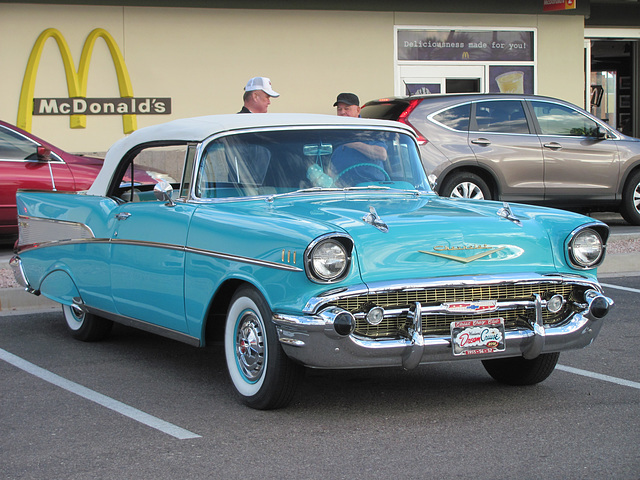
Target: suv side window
(555,119)
(501,116)
(456,118)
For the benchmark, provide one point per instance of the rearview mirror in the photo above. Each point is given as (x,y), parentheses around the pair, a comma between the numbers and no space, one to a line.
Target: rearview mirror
(315,150)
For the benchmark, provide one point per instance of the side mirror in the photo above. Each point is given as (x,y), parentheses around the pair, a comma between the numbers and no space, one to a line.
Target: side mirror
(163,192)
(601,134)
(44,154)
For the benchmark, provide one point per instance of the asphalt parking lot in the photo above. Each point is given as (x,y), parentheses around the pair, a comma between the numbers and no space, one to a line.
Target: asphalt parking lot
(141,406)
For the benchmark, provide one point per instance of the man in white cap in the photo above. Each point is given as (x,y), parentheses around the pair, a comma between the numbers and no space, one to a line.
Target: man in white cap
(257,95)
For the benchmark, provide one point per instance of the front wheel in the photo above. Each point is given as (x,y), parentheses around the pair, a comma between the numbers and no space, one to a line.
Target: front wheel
(520,371)
(262,374)
(465,185)
(84,326)
(630,208)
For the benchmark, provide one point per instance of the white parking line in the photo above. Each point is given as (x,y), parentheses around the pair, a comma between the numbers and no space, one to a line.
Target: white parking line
(617,287)
(598,376)
(108,402)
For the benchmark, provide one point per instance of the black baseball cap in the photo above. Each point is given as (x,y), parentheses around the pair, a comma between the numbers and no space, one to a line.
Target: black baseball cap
(347,99)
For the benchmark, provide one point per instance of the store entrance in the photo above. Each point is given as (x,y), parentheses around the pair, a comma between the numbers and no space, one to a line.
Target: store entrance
(614,84)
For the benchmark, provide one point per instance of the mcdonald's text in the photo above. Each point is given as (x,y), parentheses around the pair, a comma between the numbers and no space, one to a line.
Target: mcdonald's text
(101,106)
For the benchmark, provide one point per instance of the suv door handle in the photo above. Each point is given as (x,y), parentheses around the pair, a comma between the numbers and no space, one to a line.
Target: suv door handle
(481,141)
(553,145)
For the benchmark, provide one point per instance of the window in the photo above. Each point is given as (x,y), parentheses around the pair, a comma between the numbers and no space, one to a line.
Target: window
(502,116)
(555,119)
(456,118)
(16,147)
(147,168)
(273,162)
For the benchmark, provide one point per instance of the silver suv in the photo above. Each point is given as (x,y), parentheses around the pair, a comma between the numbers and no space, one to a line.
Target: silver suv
(521,148)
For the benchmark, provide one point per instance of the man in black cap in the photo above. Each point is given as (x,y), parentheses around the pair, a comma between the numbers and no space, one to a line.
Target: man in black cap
(348,105)
(367,156)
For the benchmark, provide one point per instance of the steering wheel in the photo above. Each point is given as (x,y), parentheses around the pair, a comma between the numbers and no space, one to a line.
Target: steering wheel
(386,175)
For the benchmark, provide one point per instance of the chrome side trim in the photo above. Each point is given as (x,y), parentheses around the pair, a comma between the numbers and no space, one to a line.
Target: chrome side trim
(251,261)
(141,325)
(167,246)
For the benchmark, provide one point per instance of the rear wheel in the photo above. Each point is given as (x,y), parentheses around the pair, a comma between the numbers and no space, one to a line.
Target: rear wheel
(630,208)
(520,371)
(262,374)
(465,185)
(84,326)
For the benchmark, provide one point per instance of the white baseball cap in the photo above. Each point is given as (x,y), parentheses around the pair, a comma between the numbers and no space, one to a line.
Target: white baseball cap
(261,83)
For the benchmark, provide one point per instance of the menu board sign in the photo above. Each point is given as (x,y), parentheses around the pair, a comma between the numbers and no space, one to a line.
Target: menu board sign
(466,45)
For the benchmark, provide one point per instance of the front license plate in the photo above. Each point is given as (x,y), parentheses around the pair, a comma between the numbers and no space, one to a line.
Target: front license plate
(477,337)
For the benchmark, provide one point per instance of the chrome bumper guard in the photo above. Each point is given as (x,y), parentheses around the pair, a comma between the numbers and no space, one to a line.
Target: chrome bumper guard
(18,272)
(313,340)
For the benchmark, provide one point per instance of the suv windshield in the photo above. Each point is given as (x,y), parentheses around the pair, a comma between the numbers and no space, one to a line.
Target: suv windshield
(274,162)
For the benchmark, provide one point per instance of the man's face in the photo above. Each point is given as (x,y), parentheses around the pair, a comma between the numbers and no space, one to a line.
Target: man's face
(261,102)
(345,110)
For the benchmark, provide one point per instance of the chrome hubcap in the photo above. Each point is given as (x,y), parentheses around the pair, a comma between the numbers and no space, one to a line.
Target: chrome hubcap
(250,346)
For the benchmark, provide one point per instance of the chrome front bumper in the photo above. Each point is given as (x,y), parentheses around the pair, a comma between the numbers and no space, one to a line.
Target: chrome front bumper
(314,341)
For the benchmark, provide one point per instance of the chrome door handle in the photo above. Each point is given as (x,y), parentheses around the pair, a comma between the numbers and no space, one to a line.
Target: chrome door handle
(122,215)
(553,146)
(481,141)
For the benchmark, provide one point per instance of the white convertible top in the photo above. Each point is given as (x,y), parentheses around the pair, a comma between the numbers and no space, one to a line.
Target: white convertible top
(199,128)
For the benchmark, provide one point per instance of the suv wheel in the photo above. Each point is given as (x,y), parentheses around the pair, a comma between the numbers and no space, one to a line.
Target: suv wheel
(630,208)
(465,185)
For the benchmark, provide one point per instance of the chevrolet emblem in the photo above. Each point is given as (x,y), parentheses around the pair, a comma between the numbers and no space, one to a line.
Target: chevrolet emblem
(488,251)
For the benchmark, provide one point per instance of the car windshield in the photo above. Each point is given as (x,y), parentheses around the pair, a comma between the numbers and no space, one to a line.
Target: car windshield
(283,161)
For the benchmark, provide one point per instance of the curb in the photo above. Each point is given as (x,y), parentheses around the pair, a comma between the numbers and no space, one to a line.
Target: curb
(18,300)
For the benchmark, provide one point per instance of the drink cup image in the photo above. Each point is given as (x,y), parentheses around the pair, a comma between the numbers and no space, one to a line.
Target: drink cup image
(511,82)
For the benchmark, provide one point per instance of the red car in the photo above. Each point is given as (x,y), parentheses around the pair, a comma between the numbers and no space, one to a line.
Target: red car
(27,161)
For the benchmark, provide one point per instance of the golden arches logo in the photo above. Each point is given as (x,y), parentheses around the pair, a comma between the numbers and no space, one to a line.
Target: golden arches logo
(76,80)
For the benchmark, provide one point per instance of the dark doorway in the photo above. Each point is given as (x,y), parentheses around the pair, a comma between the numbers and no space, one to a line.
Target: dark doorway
(614,84)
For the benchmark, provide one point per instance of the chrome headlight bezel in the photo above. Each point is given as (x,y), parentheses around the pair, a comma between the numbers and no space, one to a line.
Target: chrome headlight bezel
(587,246)
(328,258)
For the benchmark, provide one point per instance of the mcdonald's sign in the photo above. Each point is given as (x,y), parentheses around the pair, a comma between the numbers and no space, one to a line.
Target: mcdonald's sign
(78,106)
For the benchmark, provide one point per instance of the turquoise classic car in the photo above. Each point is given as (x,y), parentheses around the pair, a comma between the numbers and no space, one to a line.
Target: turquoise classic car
(310,241)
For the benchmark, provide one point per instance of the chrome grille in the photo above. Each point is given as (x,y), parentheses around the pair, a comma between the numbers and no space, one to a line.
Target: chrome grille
(439,324)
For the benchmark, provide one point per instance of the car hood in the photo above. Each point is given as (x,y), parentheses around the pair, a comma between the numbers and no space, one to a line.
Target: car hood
(401,237)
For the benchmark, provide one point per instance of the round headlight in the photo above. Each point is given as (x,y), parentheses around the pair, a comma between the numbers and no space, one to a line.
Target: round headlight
(586,248)
(329,260)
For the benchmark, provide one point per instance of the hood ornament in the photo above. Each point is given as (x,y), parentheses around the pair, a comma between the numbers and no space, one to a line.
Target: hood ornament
(372,218)
(505,212)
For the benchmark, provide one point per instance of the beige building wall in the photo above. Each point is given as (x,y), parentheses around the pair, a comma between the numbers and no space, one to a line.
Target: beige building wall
(202,58)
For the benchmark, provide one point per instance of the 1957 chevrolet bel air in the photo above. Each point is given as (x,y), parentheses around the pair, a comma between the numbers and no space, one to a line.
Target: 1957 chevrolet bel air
(310,241)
